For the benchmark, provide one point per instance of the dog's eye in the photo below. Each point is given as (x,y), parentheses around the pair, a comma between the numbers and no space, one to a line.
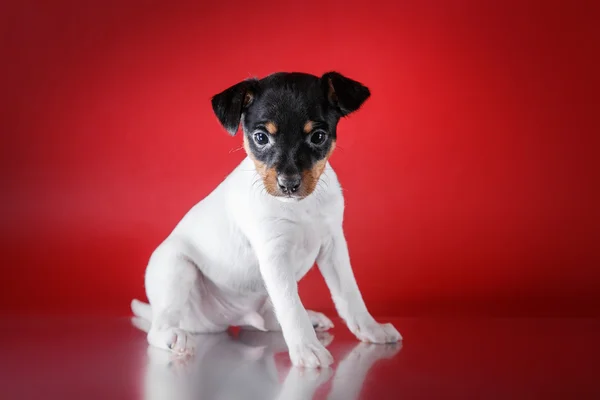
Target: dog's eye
(261,139)
(318,137)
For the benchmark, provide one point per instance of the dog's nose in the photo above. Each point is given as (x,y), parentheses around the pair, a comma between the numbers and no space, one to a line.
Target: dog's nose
(289,183)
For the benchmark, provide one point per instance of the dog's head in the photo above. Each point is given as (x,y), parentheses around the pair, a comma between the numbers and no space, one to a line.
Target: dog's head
(289,122)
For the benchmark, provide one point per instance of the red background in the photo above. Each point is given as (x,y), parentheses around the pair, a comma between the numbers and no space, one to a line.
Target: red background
(471,175)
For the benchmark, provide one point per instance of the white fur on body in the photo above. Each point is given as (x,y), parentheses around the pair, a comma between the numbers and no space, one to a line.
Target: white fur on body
(235,259)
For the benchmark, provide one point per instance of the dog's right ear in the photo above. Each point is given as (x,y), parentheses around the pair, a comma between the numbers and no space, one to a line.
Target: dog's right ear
(229,105)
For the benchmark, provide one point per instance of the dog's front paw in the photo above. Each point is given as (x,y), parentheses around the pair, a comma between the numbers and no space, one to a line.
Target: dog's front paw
(310,355)
(370,331)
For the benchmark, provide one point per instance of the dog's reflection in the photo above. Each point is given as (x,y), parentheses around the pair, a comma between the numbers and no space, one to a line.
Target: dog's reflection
(225,367)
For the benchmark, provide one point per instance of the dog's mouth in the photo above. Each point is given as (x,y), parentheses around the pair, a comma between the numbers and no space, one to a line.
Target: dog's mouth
(288,197)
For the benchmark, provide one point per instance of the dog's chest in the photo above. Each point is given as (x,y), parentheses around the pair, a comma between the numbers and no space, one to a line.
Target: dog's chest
(306,238)
(302,230)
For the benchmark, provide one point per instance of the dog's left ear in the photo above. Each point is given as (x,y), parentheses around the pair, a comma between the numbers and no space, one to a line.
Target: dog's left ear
(229,105)
(344,94)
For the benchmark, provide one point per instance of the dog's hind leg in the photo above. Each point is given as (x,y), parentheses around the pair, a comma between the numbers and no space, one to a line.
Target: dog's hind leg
(171,279)
(319,321)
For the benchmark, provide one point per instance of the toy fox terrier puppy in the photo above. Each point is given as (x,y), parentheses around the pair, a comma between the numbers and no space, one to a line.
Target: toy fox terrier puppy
(236,257)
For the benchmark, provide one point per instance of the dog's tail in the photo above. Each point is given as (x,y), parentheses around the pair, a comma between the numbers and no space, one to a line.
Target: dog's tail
(141,309)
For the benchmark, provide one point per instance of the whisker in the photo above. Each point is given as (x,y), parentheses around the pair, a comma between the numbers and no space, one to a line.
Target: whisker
(236,149)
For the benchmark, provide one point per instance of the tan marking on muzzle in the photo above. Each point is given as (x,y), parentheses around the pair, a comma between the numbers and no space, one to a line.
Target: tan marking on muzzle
(310,177)
(268,175)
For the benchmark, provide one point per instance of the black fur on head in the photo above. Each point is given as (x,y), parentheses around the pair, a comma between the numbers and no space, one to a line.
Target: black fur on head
(289,122)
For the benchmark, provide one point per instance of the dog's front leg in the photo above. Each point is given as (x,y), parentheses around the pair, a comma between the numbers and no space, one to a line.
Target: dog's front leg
(277,270)
(334,264)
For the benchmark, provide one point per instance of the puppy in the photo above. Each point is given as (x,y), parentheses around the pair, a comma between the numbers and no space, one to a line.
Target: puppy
(236,257)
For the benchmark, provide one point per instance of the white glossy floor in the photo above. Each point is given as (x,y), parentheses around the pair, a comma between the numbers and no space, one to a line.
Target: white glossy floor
(108,358)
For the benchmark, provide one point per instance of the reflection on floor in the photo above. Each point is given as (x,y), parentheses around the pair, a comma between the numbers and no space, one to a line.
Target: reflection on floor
(108,358)
(244,367)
